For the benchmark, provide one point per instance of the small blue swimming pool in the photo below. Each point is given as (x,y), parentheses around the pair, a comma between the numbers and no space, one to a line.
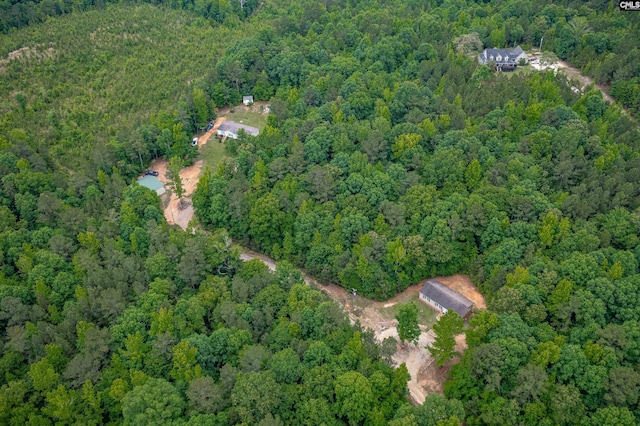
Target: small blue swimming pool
(152,183)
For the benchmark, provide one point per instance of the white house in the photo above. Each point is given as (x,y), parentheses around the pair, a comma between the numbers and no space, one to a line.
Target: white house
(247,100)
(443,298)
(231,129)
(502,58)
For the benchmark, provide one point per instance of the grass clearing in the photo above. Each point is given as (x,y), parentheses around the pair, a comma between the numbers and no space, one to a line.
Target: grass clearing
(253,119)
(521,70)
(426,315)
(212,153)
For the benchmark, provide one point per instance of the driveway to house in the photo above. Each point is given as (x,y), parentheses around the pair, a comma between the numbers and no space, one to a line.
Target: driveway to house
(426,378)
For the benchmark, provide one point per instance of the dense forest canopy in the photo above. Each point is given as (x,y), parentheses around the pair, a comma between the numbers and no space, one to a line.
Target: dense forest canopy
(389,157)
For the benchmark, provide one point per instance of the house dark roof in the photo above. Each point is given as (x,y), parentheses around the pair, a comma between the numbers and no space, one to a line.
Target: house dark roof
(450,299)
(500,56)
(230,126)
(517,51)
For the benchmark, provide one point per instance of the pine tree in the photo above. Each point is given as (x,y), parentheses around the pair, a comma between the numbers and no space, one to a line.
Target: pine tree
(447,327)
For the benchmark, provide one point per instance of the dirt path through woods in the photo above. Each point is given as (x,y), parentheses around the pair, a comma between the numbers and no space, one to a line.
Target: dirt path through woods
(426,378)
(574,73)
(178,212)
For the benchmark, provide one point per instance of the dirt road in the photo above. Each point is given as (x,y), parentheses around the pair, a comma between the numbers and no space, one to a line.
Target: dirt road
(425,376)
(181,212)
(573,73)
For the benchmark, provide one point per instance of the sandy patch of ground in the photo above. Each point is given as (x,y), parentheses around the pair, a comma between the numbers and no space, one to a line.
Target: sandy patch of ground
(202,140)
(463,285)
(431,378)
(160,166)
(460,283)
(573,73)
(180,212)
(426,378)
(177,211)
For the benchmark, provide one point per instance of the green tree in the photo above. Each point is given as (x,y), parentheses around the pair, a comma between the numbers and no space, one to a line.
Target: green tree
(408,327)
(287,366)
(175,166)
(473,174)
(185,366)
(612,416)
(437,408)
(266,221)
(201,107)
(205,396)
(448,326)
(255,395)
(43,375)
(154,402)
(354,397)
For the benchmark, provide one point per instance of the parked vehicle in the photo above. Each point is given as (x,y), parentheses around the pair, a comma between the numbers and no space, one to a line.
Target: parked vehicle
(209,127)
(194,142)
(151,173)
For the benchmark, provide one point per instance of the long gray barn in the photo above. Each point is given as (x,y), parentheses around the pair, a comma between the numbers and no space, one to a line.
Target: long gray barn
(230,129)
(443,298)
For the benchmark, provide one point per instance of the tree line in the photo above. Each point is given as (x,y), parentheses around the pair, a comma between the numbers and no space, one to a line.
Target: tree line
(388,158)
(16,14)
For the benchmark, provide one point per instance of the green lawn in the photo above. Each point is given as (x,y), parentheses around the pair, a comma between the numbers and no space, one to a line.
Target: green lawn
(254,119)
(525,69)
(426,315)
(212,153)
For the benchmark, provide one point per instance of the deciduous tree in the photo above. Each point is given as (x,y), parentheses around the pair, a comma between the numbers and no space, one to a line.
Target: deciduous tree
(408,327)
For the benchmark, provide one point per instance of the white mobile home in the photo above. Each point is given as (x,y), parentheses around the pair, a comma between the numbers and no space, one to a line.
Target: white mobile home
(231,129)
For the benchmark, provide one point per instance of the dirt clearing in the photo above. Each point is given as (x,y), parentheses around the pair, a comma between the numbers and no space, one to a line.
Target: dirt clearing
(426,378)
(573,73)
(178,212)
(463,285)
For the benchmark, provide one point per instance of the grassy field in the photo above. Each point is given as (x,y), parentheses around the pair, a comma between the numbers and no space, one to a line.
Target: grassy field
(212,153)
(426,315)
(526,69)
(254,119)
